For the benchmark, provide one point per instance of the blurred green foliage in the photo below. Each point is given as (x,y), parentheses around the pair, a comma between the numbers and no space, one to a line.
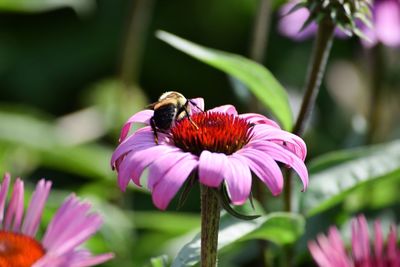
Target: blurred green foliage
(63,99)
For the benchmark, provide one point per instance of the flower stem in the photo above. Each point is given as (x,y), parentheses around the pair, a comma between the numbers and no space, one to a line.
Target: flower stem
(321,51)
(210,209)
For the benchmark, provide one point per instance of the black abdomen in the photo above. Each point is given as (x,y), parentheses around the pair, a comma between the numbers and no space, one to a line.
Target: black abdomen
(164,116)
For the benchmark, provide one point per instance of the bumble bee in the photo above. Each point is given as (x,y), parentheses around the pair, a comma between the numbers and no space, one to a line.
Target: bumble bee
(170,107)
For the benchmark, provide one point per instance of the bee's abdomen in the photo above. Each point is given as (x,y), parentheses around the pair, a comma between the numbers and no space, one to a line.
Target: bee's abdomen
(164,116)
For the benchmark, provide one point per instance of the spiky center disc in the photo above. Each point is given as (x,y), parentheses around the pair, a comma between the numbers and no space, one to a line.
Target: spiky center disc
(215,132)
(18,250)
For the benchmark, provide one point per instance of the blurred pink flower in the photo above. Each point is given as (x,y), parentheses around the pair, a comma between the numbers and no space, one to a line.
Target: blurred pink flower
(290,25)
(329,251)
(225,148)
(385,21)
(70,227)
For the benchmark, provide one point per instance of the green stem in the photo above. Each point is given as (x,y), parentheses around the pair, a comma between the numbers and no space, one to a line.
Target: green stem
(321,51)
(210,209)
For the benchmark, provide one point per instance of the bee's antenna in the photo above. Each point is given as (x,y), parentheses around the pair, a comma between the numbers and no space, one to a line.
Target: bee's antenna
(194,104)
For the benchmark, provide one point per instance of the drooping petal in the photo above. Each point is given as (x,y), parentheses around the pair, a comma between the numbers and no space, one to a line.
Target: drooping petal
(225,109)
(164,163)
(167,187)
(133,165)
(287,140)
(255,118)
(238,180)
(143,116)
(282,155)
(141,138)
(211,168)
(265,168)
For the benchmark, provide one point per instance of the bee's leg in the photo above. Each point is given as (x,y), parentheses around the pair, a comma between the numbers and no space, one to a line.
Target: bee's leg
(190,119)
(154,128)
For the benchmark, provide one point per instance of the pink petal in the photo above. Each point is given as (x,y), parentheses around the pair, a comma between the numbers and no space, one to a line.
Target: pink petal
(143,116)
(292,142)
(70,207)
(238,180)
(387,21)
(142,138)
(225,109)
(265,168)
(199,102)
(93,260)
(167,186)
(282,155)
(336,241)
(290,25)
(76,232)
(360,238)
(334,258)
(338,253)
(133,165)
(318,254)
(162,164)
(15,208)
(70,227)
(35,209)
(392,251)
(211,168)
(255,118)
(3,194)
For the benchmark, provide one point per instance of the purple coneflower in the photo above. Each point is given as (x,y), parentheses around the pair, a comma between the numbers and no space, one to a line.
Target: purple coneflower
(70,227)
(329,251)
(385,21)
(224,149)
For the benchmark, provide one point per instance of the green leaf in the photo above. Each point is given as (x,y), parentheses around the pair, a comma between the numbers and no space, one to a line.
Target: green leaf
(174,223)
(279,227)
(160,261)
(29,6)
(40,136)
(257,78)
(335,176)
